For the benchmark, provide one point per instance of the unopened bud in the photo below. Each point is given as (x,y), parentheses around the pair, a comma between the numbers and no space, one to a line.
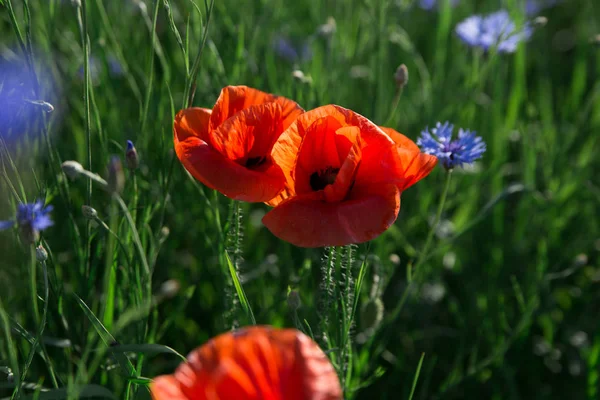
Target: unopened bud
(41,254)
(170,288)
(540,22)
(164,232)
(116,177)
(131,156)
(300,76)
(89,212)
(401,76)
(72,168)
(293,300)
(44,105)
(328,29)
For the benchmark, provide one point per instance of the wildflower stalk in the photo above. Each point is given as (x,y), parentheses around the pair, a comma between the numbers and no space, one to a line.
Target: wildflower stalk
(326,289)
(412,276)
(33,287)
(394,108)
(190,87)
(436,222)
(40,331)
(234,242)
(110,273)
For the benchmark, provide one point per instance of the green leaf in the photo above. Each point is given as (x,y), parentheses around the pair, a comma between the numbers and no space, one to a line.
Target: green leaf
(416,379)
(87,391)
(240,290)
(151,348)
(106,337)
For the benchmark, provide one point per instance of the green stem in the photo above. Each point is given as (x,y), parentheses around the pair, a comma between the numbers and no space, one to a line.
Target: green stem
(394,108)
(38,336)
(438,216)
(425,250)
(33,286)
(110,273)
(190,88)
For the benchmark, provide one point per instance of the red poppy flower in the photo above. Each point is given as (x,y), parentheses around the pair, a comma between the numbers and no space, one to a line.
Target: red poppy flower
(228,148)
(344,176)
(253,363)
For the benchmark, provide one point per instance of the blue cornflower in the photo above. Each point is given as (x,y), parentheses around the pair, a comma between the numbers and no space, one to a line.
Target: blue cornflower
(532,7)
(285,49)
(433,4)
(31,219)
(16,88)
(493,30)
(451,153)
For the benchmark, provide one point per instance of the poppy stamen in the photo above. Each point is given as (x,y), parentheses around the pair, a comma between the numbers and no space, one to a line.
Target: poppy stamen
(255,162)
(320,179)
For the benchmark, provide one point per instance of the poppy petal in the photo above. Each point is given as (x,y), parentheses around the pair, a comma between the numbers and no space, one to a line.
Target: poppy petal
(285,151)
(248,134)
(233,180)
(234,99)
(167,387)
(191,122)
(414,166)
(257,363)
(364,215)
(400,139)
(347,173)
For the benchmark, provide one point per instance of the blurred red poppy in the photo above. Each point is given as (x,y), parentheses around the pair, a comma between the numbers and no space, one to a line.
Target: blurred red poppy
(253,363)
(228,148)
(344,176)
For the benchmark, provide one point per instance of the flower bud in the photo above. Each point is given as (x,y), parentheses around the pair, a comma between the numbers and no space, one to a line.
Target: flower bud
(41,254)
(169,288)
(72,168)
(89,212)
(401,76)
(131,156)
(328,29)
(540,22)
(44,105)
(116,177)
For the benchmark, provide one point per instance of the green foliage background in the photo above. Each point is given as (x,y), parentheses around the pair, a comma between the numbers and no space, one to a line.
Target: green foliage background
(506,304)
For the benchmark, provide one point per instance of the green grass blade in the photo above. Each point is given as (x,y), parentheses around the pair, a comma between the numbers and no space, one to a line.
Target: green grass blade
(151,348)
(416,379)
(240,290)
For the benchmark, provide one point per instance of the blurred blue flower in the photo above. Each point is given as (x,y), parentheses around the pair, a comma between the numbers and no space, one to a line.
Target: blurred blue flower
(533,7)
(114,66)
(95,69)
(451,153)
(16,92)
(31,219)
(434,4)
(493,30)
(285,49)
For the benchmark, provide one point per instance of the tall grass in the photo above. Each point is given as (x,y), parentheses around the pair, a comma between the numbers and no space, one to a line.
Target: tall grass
(503,301)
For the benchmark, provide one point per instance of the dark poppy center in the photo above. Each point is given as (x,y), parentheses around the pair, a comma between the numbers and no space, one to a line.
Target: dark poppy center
(320,179)
(255,162)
